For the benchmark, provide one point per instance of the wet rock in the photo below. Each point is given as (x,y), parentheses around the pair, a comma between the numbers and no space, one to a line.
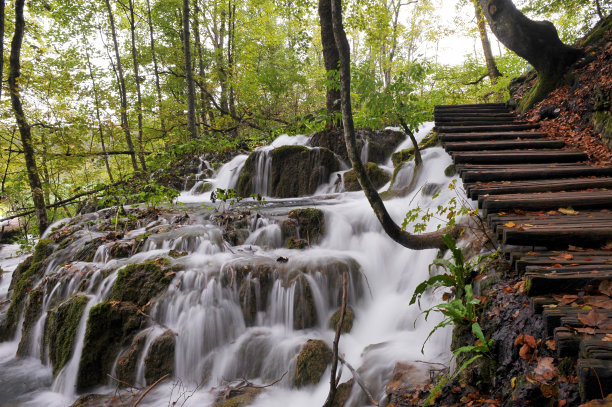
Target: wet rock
(375,173)
(202,188)
(88,251)
(407,154)
(111,326)
(430,189)
(24,279)
(61,328)
(240,397)
(311,363)
(310,223)
(405,378)
(255,284)
(381,143)
(128,360)
(176,254)
(294,171)
(450,171)
(139,283)
(120,250)
(93,400)
(160,357)
(347,324)
(304,309)
(343,392)
(296,243)
(31,315)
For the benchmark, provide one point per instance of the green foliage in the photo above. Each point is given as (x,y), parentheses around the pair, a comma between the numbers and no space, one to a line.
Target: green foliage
(135,192)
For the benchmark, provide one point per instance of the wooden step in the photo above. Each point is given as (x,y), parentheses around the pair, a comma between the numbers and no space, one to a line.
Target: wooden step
(531,172)
(568,341)
(441,114)
(593,199)
(520,262)
(558,283)
(502,145)
(478,190)
(476,122)
(594,348)
(494,135)
(594,378)
(499,220)
(558,238)
(487,128)
(469,105)
(518,156)
(566,316)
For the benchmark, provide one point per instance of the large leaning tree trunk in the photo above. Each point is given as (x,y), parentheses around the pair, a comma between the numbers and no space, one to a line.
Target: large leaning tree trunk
(424,241)
(331,59)
(191,111)
(38,195)
(536,41)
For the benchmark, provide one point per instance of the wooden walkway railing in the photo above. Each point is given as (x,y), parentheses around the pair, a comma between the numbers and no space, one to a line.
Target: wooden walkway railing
(551,211)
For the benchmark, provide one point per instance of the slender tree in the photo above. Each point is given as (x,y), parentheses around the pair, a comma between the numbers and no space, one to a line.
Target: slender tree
(2,7)
(38,195)
(122,90)
(137,80)
(424,241)
(191,113)
(156,72)
(486,45)
(331,60)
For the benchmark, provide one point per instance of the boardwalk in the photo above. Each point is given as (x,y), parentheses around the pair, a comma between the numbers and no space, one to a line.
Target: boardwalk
(551,212)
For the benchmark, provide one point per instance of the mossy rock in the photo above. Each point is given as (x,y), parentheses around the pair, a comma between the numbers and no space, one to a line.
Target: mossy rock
(347,324)
(401,156)
(304,309)
(92,400)
(31,315)
(24,278)
(381,143)
(310,223)
(61,328)
(377,176)
(294,171)
(139,283)
(343,392)
(128,360)
(244,397)
(159,360)
(450,171)
(602,123)
(255,287)
(296,243)
(111,325)
(88,251)
(120,250)
(311,363)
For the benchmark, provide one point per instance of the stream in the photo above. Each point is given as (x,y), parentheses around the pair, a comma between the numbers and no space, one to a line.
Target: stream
(214,342)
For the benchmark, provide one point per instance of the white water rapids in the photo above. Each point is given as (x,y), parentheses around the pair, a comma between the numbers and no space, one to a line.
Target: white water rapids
(214,342)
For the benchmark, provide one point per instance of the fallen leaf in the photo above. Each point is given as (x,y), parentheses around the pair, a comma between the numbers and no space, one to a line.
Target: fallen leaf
(599,301)
(513,382)
(551,344)
(565,299)
(519,340)
(593,318)
(524,352)
(588,331)
(510,224)
(607,338)
(568,211)
(530,341)
(545,370)
(606,288)
(567,256)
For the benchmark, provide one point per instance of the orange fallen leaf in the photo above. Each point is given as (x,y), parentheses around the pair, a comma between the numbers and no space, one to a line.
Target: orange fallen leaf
(593,319)
(510,224)
(524,352)
(530,341)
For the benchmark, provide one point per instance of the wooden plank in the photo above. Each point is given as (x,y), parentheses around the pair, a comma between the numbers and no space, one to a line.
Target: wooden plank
(594,348)
(476,191)
(556,238)
(568,341)
(594,378)
(476,105)
(522,264)
(502,145)
(532,172)
(558,283)
(553,200)
(495,135)
(449,114)
(518,156)
(565,316)
(488,128)
(467,121)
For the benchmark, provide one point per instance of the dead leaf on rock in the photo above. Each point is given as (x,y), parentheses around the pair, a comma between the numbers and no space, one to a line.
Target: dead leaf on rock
(530,341)
(606,288)
(525,352)
(545,370)
(593,319)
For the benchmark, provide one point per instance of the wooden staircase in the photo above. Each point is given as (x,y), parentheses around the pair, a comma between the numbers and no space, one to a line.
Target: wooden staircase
(551,212)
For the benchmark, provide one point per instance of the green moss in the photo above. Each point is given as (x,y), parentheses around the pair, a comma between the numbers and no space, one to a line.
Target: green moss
(128,360)
(61,328)
(539,91)
(160,357)
(450,171)
(310,223)
(602,123)
(139,283)
(567,367)
(343,393)
(110,327)
(377,176)
(401,156)
(311,363)
(347,324)
(296,243)
(31,315)
(24,278)
(246,397)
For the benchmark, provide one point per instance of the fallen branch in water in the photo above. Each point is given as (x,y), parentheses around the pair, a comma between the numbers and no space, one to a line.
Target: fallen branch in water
(358,380)
(142,396)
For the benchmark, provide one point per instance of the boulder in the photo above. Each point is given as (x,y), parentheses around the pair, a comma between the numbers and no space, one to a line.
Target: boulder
(128,360)
(61,328)
(310,223)
(381,143)
(239,397)
(31,315)
(343,392)
(139,283)
(111,326)
(311,363)
(304,309)
(347,324)
(160,357)
(375,173)
(292,171)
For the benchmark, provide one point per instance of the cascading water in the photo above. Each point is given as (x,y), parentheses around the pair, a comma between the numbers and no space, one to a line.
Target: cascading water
(245,310)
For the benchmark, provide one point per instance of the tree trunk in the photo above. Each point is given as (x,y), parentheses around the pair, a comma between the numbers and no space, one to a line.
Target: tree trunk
(535,41)
(156,71)
(137,79)
(97,103)
(191,114)
(231,34)
(38,195)
(331,59)
(424,241)
(486,45)
(122,91)
(2,7)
